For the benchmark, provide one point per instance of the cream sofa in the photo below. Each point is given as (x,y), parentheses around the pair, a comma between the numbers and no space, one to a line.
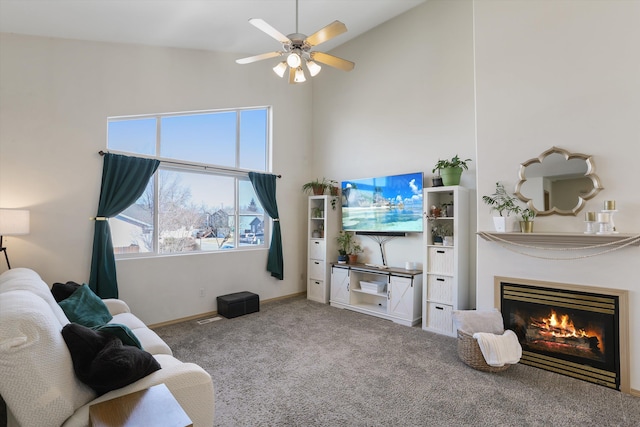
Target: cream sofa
(37,379)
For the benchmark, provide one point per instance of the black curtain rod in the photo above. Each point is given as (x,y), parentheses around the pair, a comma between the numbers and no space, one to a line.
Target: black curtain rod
(102,153)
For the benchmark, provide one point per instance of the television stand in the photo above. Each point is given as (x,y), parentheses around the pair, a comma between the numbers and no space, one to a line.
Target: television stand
(391,293)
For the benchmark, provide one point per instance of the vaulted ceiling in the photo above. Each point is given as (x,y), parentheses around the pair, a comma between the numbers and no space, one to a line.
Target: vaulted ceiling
(215,25)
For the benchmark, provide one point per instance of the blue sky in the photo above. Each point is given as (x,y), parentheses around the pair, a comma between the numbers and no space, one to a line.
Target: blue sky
(200,138)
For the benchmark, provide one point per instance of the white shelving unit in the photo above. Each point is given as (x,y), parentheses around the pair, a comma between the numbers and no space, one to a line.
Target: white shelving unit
(399,300)
(446,278)
(322,222)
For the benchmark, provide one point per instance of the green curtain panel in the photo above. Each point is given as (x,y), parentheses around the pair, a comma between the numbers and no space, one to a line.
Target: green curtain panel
(265,187)
(124,179)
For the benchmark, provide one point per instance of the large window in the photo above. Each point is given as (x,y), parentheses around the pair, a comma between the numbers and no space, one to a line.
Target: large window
(200,199)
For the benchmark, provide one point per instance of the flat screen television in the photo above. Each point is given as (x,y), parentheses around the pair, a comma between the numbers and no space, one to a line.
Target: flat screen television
(383,204)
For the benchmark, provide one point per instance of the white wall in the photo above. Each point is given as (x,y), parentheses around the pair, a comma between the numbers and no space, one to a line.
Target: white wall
(566,74)
(407,103)
(55,97)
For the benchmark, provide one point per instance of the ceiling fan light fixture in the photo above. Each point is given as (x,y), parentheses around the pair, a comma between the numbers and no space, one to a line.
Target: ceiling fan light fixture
(297,48)
(280,69)
(313,67)
(299,78)
(293,60)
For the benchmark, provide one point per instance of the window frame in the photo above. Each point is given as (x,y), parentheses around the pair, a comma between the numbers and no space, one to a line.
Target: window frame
(177,165)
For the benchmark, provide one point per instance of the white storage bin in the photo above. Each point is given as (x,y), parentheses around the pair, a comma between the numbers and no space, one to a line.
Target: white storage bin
(316,249)
(372,287)
(440,288)
(317,291)
(440,317)
(441,260)
(316,269)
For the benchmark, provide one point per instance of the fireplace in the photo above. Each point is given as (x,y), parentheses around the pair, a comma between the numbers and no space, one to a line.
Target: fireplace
(579,331)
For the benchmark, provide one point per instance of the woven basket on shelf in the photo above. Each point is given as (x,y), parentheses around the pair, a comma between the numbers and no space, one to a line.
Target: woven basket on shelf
(470,353)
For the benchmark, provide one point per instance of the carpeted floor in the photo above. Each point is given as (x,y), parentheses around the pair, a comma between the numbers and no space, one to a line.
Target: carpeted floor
(301,363)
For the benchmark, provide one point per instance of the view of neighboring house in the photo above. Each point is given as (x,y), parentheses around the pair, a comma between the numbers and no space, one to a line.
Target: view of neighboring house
(132,232)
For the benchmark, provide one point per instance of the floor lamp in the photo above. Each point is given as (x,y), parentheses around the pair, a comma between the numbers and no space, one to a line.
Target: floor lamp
(13,222)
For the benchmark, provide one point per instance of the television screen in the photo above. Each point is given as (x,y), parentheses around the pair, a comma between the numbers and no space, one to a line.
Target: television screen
(383,204)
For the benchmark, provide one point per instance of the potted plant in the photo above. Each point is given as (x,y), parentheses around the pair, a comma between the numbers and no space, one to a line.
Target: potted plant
(451,170)
(505,204)
(315,187)
(344,244)
(353,253)
(348,247)
(439,230)
(526,220)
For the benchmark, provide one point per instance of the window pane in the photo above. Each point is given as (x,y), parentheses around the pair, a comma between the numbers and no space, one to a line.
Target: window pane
(253,140)
(196,211)
(251,227)
(133,136)
(132,229)
(200,138)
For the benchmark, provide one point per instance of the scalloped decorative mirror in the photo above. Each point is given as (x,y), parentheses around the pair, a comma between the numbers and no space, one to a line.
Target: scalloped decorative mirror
(557,182)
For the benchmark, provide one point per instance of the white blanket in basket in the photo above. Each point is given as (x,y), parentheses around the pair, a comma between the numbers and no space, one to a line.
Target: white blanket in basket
(499,350)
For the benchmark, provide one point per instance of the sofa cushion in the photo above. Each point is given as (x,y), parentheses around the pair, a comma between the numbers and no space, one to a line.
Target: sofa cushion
(62,291)
(101,361)
(151,342)
(129,319)
(37,380)
(85,308)
(121,332)
(28,280)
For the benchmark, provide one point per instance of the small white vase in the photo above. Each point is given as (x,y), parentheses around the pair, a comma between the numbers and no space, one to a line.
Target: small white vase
(500,223)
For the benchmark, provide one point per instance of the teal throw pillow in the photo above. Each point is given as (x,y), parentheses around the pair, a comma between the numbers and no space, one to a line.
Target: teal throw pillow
(85,308)
(123,332)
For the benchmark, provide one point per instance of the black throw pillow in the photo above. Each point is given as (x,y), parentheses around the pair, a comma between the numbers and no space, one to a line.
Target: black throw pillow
(102,362)
(62,291)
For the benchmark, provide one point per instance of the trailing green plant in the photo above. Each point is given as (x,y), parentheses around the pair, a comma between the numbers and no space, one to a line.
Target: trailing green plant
(334,191)
(454,162)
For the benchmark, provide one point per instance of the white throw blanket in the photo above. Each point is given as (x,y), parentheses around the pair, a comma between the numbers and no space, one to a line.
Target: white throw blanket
(499,350)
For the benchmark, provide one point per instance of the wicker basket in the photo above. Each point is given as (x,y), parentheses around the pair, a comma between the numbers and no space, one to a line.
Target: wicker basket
(470,353)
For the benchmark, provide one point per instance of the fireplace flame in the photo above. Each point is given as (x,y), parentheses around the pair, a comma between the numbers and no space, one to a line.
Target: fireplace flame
(558,331)
(564,327)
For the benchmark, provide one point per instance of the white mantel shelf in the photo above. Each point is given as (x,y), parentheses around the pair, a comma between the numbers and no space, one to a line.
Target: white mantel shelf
(563,239)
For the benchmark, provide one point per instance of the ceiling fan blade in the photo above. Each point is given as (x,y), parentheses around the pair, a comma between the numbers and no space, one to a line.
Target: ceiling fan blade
(263,26)
(327,33)
(332,61)
(292,75)
(255,58)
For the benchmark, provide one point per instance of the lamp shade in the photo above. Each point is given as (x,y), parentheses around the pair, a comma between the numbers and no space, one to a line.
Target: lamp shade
(14,222)
(280,68)
(299,77)
(313,67)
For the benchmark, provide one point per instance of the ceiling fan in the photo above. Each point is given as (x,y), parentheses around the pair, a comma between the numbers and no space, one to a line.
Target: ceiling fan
(297,48)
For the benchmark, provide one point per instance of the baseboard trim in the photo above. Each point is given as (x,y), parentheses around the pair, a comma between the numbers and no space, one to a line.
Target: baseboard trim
(215,313)
(634,392)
